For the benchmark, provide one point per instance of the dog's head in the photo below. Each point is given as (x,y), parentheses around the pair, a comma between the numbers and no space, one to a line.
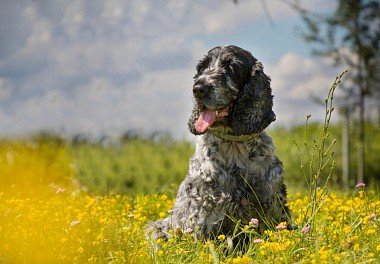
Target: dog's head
(231,92)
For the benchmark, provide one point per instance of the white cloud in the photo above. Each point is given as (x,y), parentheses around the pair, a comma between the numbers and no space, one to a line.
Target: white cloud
(298,77)
(108,66)
(295,80)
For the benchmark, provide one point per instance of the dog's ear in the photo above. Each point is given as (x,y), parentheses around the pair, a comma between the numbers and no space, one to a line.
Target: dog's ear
(252,112)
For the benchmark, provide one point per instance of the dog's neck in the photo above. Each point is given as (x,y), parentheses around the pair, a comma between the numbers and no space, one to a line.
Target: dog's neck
(224,134)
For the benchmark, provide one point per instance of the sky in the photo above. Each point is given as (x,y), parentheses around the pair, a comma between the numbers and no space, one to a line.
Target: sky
(101,68)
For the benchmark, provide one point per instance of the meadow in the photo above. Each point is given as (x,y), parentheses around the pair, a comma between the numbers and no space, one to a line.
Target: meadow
(65,201)
(140,165)
(50,212)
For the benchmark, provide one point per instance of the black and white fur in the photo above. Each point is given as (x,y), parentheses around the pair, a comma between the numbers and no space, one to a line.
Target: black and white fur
(234,173)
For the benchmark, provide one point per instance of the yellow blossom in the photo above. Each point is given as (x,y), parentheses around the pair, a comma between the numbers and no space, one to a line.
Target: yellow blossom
(241,260)
(347,229)
(356,247)
(337,258)
(162,214)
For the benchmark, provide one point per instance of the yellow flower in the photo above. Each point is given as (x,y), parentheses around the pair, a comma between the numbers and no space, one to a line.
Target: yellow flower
(356,247)
(347,229)
(344,208)
(179,251)
(337,258)
(80,250)
(160,253)
(323,253)
(221,237)
(246,259)
(162,214)
(378,247)
(241,260)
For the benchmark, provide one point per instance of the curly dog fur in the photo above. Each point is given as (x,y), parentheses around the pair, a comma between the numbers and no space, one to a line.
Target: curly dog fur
(234,173)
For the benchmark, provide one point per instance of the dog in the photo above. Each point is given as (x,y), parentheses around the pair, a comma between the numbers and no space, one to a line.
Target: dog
(234,174)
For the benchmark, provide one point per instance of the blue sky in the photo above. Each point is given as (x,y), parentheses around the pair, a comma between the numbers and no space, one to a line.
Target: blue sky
(105,67)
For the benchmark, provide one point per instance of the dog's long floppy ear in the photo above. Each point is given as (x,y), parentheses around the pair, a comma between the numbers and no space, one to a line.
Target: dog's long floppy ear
(252,112)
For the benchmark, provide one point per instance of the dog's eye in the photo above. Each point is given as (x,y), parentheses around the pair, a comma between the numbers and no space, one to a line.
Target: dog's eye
(230,68)
(202,65)
(228,65)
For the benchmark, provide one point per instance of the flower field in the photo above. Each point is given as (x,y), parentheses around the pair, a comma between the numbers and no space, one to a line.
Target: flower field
(46,217)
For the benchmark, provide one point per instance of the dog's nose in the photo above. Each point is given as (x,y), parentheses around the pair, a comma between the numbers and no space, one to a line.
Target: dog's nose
(199,90)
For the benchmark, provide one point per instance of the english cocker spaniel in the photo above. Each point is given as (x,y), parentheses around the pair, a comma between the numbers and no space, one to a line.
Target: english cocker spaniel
(234,174)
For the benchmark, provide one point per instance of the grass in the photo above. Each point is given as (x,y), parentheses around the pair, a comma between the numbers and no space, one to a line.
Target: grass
(63,225)
(134,166)
(66,202)
(319,158)
(139,165)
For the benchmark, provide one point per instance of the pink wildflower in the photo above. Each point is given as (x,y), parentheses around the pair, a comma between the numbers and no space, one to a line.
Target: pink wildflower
(306,229)
(360,185)
(189,230)
(254,222)
(281,226)
(372,216)
(60,190)
(257,241)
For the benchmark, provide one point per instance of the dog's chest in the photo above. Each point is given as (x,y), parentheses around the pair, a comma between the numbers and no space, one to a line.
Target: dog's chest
(232,155)
(224,168)
(215,156)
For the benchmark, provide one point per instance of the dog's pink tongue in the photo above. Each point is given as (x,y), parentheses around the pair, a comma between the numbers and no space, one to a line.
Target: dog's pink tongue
(205,120)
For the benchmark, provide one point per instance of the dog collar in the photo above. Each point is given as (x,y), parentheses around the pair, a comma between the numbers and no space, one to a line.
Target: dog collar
(229,137)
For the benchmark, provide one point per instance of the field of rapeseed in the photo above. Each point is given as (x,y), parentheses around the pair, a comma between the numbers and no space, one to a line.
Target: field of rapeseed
(45,217)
